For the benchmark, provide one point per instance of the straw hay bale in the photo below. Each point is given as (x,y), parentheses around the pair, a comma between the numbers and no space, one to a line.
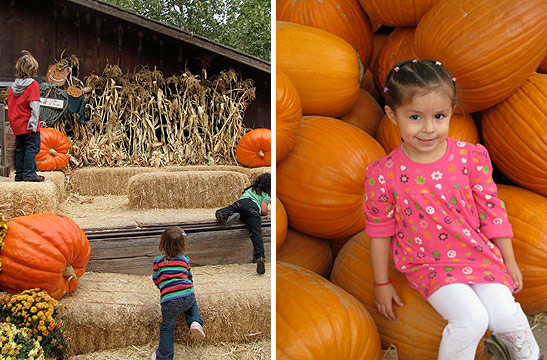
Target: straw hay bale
(256,350)
(185,189)
(58,178)
(111,311)
(104,181)
(236,168)
(99,181)
(26,198)
(253,173)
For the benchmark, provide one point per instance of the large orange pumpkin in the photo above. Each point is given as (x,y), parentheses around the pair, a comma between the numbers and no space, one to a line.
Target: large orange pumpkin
(367,83)
(399,46)
(307,251)
(514,132)
(462,127)
(366,114)
(490,46)
(321,181)
(352,271)
(46,251)
(255,148)
(542,68)
(323,68)
(527,214)
(54,147)
(397,12)
(280,223)
(317,320)
(345,19)
(288,113)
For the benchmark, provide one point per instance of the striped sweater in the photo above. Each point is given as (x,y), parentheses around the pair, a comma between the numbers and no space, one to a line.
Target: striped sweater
(173,277)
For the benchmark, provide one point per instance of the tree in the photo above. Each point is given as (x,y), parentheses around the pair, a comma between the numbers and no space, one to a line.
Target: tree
(241,24)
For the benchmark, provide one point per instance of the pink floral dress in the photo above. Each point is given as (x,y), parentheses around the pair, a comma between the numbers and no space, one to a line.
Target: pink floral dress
(441,216)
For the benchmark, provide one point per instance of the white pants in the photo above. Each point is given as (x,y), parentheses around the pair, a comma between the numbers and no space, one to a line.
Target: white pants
(472,308)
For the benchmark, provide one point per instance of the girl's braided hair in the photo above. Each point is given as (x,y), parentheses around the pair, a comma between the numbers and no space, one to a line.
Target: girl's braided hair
(410,77)
(262,184)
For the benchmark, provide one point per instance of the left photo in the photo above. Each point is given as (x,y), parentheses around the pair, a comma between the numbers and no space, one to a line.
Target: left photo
(135,180)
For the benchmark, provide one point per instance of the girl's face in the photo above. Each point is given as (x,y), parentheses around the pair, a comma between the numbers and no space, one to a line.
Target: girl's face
(423,125)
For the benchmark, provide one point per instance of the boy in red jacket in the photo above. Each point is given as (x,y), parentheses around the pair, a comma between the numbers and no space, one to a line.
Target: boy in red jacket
(23,114)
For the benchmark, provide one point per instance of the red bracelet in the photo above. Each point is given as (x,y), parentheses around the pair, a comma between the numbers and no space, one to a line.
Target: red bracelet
(382,284)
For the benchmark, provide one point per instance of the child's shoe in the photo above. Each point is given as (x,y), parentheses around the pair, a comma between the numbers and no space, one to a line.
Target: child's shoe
(260,268)
(221,216)
(37,178)
(230,221)
(197,331)
(153,356)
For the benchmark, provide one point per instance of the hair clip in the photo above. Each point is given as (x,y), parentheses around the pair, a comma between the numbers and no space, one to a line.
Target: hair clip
(414,61)
(454,79)
(438,63)
(396,68)
(385,89)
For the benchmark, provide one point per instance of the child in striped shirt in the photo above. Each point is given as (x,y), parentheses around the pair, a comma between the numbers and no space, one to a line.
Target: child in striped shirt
(173,276)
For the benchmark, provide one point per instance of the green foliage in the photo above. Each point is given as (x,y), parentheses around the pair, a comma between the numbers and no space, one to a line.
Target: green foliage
(241,24)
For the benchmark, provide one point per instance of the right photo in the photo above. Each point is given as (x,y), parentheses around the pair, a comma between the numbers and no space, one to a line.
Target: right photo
(411,179)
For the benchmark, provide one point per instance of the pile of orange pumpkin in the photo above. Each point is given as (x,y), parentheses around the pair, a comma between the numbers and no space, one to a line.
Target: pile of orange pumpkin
(332,58)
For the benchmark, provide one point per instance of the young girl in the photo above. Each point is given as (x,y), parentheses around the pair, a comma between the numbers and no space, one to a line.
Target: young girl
(173,276)
(253,202)
(433,203)
(23,114)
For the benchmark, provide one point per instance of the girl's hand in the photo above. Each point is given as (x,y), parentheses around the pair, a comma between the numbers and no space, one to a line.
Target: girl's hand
(384,296)
(515,273)
(264,208)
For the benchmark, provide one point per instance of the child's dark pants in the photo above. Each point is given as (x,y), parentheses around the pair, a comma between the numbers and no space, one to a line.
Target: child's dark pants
(169,311)
(26,148)
(250,215)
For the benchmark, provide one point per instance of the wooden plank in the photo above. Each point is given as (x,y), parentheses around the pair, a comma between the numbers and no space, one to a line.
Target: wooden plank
(133,255)
(173,32)
(109,43)
(45,36)
(24,28)
(128,247)
(4,167)
(66,37)
(130,48)
(87,50)
(7,64)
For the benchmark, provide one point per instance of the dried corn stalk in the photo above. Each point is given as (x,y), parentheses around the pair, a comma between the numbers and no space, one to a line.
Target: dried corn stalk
(143,119)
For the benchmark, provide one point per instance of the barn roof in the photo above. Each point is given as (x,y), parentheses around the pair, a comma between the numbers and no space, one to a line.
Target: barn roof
(175,33)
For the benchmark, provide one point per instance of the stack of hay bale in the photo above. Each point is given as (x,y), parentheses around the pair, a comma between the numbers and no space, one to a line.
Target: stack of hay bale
(112,311)
(147,187)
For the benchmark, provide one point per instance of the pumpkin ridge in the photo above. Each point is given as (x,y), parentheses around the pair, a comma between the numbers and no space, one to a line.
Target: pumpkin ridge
(303,309)
(29,259)
(501,138)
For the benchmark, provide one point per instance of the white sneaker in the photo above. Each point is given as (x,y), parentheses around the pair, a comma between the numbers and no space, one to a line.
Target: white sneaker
(197,331)
(153,356)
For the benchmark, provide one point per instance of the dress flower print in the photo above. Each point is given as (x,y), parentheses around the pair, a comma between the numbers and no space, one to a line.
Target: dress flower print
(441,216)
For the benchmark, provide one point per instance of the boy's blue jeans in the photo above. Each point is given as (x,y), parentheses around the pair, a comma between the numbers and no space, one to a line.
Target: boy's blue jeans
(169,312)
(26,148)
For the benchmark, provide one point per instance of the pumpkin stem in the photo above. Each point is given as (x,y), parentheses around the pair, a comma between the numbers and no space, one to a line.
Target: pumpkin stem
(260,153)
(69,273)
(52,152)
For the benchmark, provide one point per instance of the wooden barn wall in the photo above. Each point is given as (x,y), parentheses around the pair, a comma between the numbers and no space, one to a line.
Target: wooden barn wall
(46,28)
